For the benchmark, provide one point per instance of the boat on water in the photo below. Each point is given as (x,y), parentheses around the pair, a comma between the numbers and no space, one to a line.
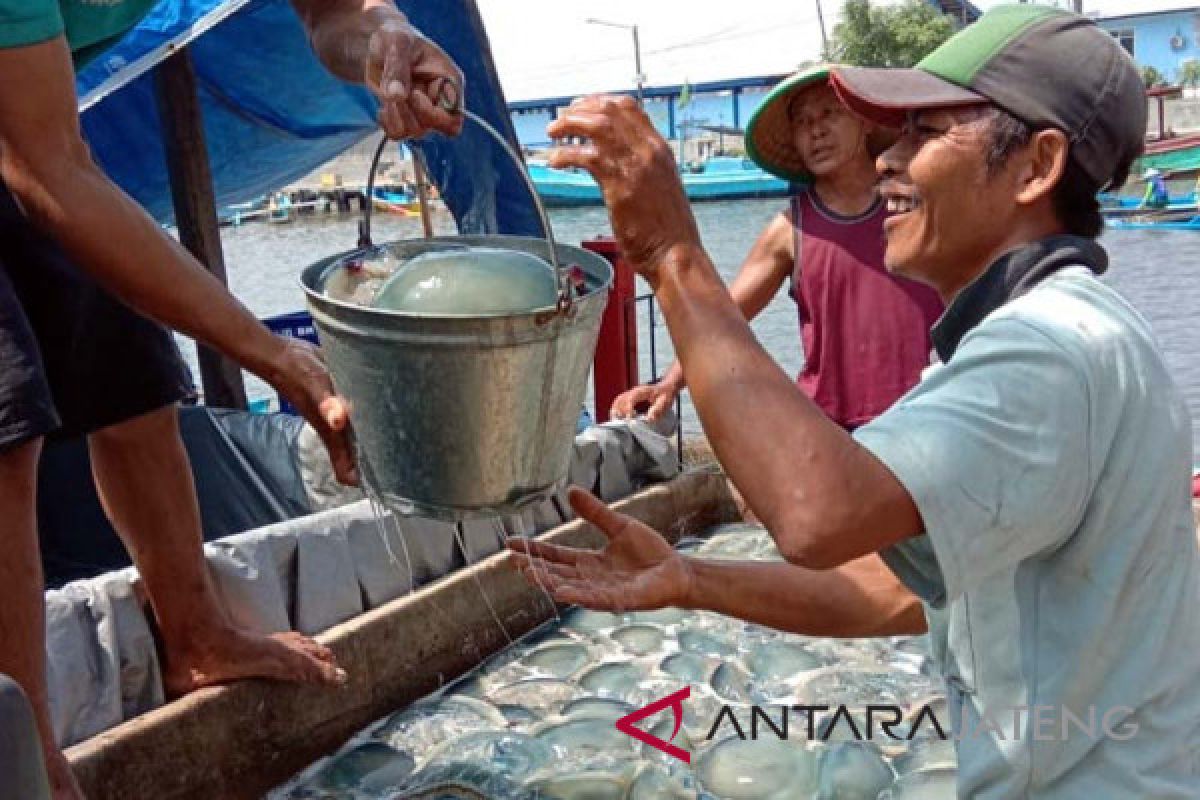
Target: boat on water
(280,210)
(719,178)
(237,213)
(1182,213)
(399,203)
(1156,222)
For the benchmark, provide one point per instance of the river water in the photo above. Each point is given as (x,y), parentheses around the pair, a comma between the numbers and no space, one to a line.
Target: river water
(1158,271)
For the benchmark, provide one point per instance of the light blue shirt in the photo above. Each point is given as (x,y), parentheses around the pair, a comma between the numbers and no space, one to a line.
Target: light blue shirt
(1050,459)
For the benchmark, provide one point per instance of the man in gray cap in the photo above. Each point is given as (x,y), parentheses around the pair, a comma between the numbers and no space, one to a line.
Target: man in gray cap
(1031,492)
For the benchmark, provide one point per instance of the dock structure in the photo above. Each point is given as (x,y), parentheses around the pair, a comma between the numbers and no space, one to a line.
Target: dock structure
(349,199)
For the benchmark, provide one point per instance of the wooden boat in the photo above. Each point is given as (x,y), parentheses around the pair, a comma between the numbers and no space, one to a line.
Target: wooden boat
(238,741)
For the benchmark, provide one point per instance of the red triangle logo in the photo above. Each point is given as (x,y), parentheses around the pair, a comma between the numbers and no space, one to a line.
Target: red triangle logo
(672,701)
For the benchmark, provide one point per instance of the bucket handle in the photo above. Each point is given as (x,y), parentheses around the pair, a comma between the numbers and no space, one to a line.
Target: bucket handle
(364,225)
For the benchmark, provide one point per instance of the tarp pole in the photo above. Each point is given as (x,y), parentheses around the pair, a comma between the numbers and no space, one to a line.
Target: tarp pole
(195,206)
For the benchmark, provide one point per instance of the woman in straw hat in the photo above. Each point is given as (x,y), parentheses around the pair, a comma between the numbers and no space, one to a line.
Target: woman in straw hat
(864,332)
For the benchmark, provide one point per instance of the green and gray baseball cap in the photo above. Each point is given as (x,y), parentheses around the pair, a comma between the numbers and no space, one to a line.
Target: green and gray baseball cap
(1047,67)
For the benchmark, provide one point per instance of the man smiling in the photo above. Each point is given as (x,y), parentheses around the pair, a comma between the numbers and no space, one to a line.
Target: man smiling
(1031,491)
(864,332)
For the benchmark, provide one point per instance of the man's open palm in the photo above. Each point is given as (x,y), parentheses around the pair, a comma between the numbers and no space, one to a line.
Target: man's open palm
(637,570)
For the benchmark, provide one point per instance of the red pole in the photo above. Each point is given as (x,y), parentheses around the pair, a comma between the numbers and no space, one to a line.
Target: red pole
(616,366)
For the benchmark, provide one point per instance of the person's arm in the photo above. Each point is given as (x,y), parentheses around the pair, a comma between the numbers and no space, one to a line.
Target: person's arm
(370,42)
(826,499)
(638,569)
(766,268)
(49,170)
(858,599)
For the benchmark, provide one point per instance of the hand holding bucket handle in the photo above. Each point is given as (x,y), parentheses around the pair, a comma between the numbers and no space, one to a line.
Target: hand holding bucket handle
(406,72)
(449,97)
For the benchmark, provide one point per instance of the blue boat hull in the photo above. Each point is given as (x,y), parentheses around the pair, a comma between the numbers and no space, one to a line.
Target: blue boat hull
(1192,224)
(566,188)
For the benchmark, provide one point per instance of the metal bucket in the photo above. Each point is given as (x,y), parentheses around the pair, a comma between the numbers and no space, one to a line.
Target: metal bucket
(463,416)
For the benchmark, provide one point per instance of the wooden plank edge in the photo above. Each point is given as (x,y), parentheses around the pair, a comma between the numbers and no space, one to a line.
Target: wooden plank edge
(240,740)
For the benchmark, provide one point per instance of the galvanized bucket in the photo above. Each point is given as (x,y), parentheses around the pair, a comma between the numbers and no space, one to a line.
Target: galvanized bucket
(463,416)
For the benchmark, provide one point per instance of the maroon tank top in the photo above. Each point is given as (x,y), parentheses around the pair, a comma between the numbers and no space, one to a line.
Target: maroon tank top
(865,332)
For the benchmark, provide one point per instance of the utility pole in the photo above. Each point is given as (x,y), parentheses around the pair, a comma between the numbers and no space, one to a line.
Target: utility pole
(637,64)
(640,79)
(825,56)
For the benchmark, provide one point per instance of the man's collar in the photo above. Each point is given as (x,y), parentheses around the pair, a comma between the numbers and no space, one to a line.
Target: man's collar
(1011,276)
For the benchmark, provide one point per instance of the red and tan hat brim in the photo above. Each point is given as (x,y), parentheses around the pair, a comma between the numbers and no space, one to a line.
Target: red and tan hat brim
(887,96)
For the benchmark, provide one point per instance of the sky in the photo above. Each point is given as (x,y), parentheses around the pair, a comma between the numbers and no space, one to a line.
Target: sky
(545,48)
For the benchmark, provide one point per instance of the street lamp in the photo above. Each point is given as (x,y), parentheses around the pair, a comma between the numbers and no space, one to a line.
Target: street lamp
(637,51)
(825,56)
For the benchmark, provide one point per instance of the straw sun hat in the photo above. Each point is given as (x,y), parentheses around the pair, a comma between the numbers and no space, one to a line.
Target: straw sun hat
(770,134)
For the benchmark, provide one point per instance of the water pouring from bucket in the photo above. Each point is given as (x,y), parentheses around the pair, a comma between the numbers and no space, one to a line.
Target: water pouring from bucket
(463,360)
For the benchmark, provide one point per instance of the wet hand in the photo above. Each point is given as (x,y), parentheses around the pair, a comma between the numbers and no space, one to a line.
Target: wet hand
(637,570)
(299,374)
(636,171)
(419,87)
(656,397)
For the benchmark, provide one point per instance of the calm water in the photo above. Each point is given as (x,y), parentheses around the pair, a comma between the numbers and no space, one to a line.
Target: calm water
(1158,271)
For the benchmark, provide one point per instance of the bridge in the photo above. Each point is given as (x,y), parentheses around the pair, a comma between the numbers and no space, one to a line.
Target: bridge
(723,104)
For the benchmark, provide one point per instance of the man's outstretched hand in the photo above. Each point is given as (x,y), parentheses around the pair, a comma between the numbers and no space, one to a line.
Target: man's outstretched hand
(637,570)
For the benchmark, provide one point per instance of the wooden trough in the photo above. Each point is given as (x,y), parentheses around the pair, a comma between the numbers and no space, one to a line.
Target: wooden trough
(241,740)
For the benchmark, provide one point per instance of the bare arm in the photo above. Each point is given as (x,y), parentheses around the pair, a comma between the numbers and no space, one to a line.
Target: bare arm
(860,598)
(766,268)
(825,499)
(47,166)
(638,569)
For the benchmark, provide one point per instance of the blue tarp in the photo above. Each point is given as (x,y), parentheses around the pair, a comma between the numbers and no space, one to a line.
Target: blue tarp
(273,114)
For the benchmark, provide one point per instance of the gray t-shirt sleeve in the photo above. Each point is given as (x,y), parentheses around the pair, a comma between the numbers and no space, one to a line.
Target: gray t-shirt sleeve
(993,449)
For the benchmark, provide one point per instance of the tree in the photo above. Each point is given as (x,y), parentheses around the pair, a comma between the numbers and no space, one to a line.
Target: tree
(1189,74)
(1151,77)
(891,36)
